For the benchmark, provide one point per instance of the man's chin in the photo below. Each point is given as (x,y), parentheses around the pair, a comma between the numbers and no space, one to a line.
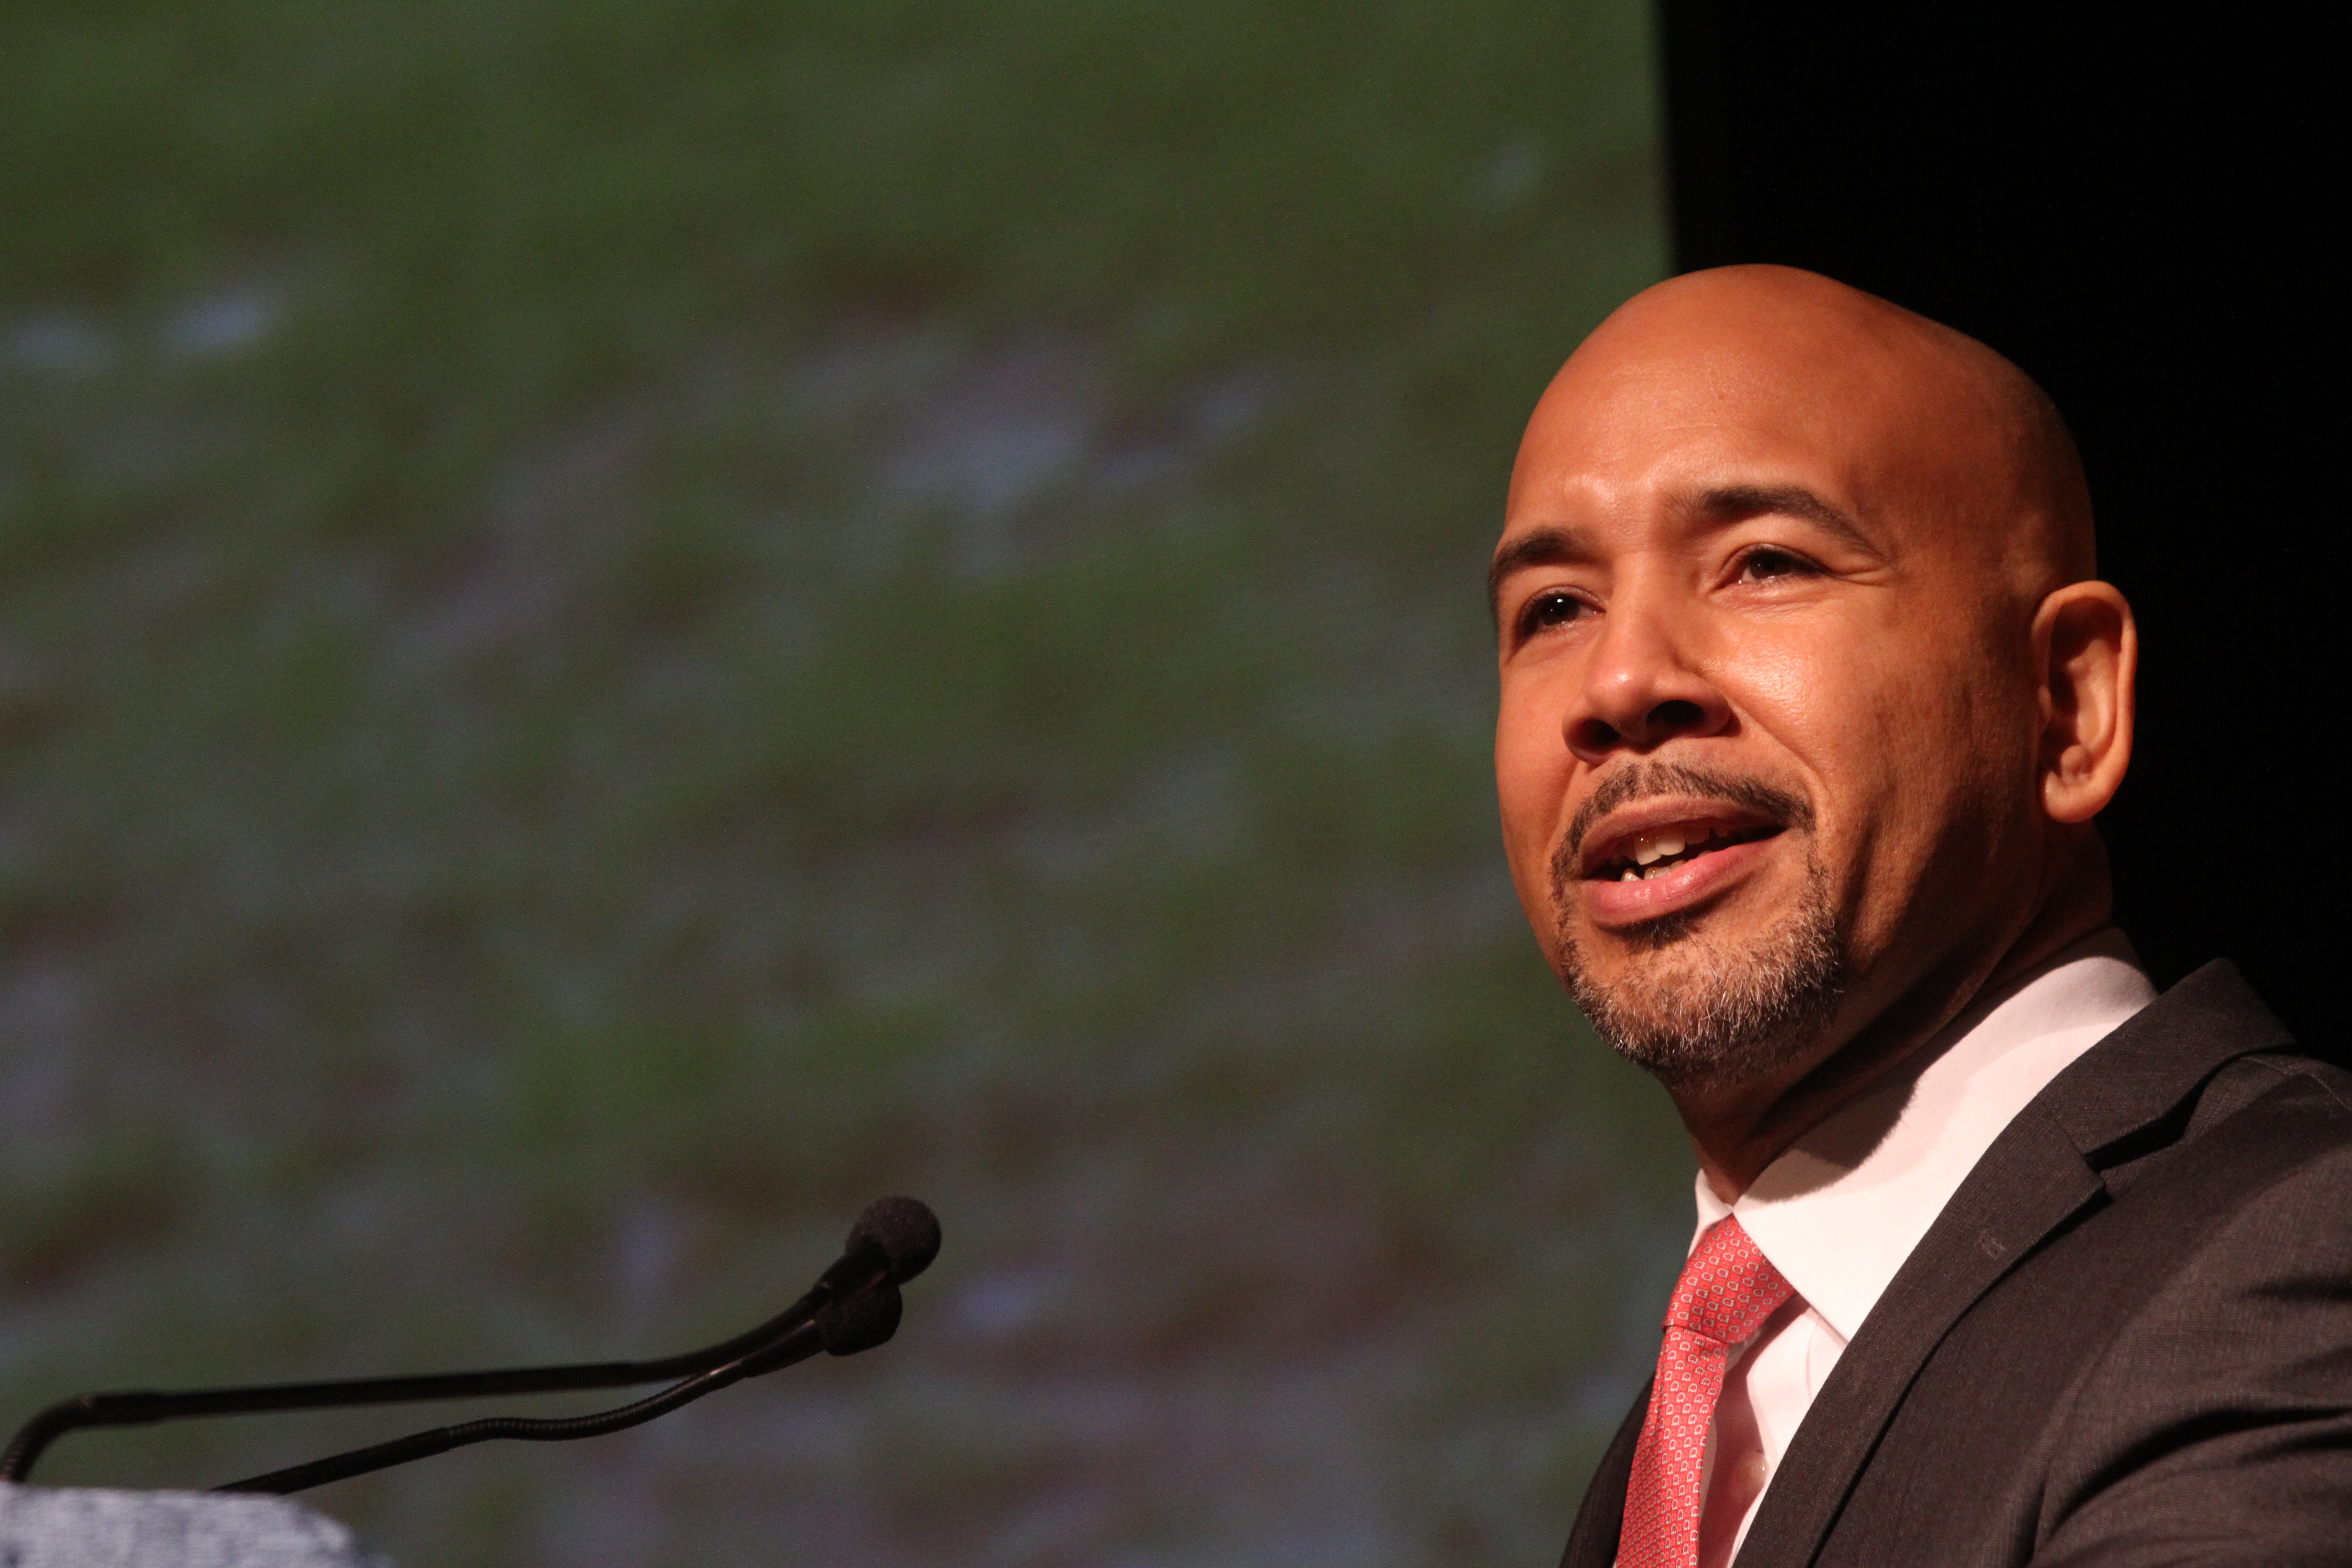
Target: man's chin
(1617,953)
(1695,1003)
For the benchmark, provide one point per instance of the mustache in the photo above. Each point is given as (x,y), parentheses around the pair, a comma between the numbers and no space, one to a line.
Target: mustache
(1639,781)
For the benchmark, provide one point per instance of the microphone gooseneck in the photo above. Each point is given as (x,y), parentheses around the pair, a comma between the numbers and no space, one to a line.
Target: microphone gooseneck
(854,1306)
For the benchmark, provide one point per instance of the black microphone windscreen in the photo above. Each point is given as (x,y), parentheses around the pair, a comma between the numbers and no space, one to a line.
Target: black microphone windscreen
(861,1322)
(904,1228)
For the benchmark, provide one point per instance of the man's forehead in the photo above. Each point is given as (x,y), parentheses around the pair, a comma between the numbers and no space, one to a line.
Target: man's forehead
(1860,410)
(1608,459)
(1596,460)
(1680,420)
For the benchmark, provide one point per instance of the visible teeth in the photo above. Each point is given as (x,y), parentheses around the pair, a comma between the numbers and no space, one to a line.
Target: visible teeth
(1650,849)
(1657,845)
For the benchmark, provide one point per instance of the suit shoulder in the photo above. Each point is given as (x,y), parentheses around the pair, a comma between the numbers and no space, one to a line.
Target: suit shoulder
(2218,1402)
(2246,1105)
(2274,1086)
(2266,1132)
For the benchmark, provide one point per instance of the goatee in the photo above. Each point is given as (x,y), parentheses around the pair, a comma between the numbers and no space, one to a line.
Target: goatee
(1689,1008)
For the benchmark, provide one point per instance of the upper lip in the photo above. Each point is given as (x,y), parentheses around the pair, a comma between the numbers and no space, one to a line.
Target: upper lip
(1611,841)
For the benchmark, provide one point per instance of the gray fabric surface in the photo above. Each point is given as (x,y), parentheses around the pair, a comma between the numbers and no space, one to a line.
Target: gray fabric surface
(2126,1341)
(83,1527)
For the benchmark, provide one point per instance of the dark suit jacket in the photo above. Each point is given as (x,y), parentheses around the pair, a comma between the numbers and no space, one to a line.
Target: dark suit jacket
(2127,1340)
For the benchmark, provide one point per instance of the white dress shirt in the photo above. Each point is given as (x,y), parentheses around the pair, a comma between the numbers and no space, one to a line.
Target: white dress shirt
(1839,1211)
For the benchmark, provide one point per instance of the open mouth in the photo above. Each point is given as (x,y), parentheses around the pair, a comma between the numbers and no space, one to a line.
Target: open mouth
(1661,849)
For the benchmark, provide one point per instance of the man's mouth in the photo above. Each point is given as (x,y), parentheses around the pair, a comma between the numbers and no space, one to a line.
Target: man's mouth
(1658,851)
(1656,839)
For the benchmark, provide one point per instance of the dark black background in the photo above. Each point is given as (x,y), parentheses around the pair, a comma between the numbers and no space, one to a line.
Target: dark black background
(2135,212)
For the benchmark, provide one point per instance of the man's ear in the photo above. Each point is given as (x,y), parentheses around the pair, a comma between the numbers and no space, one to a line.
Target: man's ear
(2087,649)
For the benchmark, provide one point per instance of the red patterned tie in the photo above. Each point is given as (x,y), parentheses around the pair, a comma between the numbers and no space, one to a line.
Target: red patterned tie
(1727,1290)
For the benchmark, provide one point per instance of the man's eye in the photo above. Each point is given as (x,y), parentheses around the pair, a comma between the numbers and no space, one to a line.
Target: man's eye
(1763,565)
(1546,611)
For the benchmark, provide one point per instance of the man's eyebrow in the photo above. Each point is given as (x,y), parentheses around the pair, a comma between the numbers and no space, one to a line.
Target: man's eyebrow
(1733,503)
(1720,505)
(1541,547)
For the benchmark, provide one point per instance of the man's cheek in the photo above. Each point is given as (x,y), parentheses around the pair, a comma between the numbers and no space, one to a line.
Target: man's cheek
(1527,838)
(1532,773)
(1795,694)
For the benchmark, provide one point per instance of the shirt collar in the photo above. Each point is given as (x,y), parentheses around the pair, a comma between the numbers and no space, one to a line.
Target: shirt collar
(1839,1210)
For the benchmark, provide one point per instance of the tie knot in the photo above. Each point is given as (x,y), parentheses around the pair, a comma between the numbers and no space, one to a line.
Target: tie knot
(1727,1289)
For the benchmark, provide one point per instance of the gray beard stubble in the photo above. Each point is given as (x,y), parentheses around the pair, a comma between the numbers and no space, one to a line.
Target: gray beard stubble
(1693,1011)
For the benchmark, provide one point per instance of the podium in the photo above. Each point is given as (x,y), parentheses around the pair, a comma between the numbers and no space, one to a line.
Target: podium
(87,1527)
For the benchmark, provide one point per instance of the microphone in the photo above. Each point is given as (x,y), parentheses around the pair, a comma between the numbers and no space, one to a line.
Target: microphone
(854,1306)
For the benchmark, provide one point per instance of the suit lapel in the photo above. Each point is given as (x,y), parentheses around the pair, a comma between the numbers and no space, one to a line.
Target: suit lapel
(2038,1180)
(2038,1174)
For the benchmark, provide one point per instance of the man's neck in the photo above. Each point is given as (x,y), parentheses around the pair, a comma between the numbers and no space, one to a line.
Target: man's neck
(1738,1129)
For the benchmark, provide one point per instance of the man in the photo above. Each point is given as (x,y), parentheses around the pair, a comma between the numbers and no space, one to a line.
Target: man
(1809,697)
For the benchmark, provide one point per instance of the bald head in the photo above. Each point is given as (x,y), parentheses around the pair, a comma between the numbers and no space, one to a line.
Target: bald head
(1929,423)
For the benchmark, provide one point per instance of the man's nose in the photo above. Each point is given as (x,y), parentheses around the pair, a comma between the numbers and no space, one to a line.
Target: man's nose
(1639,690)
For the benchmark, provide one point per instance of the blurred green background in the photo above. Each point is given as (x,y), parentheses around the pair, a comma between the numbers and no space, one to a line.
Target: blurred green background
(622,625)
